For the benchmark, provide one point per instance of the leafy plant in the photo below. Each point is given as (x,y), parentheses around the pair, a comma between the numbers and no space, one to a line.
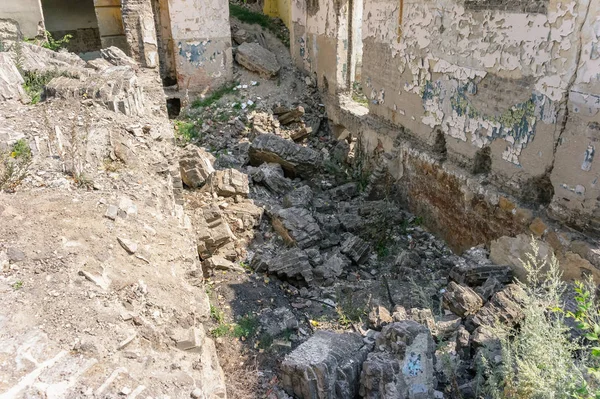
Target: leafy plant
(539,358)
(14,165)
(55,45)
(35,83)
(186,131)
(17,285)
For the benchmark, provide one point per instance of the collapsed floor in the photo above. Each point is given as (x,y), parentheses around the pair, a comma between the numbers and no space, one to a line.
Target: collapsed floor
(319,284)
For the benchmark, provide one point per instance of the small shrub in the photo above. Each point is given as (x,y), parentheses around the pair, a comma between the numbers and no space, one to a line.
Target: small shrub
(217,315)
(35,83)
(14,165)
(186,131)
(55,45)
(251,17)
(17,285)
(246,327)
(539,358)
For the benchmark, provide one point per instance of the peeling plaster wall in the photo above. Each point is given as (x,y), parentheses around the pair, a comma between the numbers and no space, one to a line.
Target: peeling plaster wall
(516,81)
(576,173)
(202,43)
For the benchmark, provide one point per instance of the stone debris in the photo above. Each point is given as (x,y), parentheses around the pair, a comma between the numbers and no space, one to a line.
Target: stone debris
(212,230)
(332,268)
(287,116)
(271,176)
(194,340)
(461,300)
(379,317)
(128,245)
(505,306)
(295,159)
(291,265)
(301,197)
(356,249)
(327,365)
(111,212)
(117,57)
(196,165)
(402,365)
(256,58)
(344,192)
(220,263)
(11,81)
(277,321)
(297,227)
(227,183)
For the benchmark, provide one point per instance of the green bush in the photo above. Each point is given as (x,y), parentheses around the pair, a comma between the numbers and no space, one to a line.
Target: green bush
(540,359)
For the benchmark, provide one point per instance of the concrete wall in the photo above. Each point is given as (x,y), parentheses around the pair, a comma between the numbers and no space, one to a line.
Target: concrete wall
(28,13)
(475,102)
(110,23)
(202,43)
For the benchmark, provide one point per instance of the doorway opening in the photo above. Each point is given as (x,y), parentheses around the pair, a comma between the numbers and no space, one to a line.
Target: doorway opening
(75,18)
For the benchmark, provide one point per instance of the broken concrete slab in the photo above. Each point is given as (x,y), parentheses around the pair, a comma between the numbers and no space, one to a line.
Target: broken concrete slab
(505,306)
(461,300)
(292,265)
(402,365)
(271,176)
(295,159)
(356,249)
(300,197)
(289,116)
(326,366)
(195,166)
(297,227)
(256,58)
(227,183)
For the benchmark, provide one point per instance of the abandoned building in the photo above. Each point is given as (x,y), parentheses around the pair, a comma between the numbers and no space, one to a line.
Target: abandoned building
(384,164)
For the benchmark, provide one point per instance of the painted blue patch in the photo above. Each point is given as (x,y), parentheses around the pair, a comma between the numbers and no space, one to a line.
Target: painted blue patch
(413,366)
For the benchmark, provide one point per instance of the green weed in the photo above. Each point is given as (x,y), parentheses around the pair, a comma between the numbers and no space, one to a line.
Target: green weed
(35,83)
(217,315)
(186,131)
(55,45)
(17,285)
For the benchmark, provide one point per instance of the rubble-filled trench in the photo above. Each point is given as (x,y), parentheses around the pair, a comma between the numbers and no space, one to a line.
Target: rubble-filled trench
(130,251)
(314,272)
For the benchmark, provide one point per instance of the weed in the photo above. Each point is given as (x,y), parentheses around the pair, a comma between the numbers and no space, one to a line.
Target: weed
(246,327)
(17,285)
(215,96)
(245,266)
(347,311)
(55,45)
(35,83)
(83,181)
(265,340)
(186,131)
(539,358)
(21,150)
(222,330)
(14,165)
(422,295)
(381,248)
(217,315)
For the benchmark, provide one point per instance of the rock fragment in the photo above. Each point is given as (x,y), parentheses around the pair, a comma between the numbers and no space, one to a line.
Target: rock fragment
(227,183)
(196,166)
(128,245)
(295,159)
(297,227)
(256,58)
(461,300)
(300,197)
(326,366)
(356,249)
(505,306)
(271,176)
(402,365)
(292,265)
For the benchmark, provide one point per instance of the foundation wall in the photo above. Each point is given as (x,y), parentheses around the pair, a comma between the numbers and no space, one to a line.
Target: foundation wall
(28,14)
(489,111)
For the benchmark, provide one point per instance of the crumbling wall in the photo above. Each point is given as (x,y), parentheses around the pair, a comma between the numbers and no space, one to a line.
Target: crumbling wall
(202,43)
(138,20)
(509,89)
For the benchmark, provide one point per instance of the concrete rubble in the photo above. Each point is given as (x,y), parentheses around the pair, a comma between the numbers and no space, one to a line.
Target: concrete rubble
(258,59)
